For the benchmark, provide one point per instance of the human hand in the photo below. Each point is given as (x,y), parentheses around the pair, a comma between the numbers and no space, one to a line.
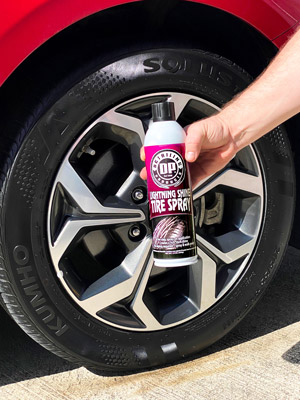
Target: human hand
(209,147)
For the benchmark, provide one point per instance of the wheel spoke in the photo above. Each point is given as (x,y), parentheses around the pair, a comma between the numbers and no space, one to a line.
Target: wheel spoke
(233,179)
(202,281)
(78,190)
(139,307)
(202,288)
(119,283)
(124,121)
(231,256)
(73,226)
(89,204)
(180,101)
(83,196)
(130,183)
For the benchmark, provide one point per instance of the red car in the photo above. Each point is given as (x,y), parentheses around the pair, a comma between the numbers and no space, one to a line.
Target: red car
(77,83)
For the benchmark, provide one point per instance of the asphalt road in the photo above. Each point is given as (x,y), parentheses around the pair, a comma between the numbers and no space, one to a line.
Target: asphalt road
(260,359)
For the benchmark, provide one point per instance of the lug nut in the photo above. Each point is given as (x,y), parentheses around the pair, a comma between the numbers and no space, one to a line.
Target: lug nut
(138,195)
(135,231)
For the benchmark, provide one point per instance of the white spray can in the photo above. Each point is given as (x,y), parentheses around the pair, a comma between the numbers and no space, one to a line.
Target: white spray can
(169,190)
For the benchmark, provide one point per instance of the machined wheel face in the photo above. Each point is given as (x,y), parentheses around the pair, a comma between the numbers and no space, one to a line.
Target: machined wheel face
(98,224)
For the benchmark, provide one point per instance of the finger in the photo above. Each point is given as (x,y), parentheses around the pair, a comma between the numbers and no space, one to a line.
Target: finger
(197,174)
(193,142)
(142,154)
(143,173)
(208,164)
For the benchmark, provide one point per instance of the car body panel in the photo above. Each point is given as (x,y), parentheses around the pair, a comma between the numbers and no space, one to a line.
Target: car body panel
(282,39)
(25,25)
(266,16)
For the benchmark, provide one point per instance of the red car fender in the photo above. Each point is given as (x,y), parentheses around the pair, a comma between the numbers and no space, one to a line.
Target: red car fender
(25,25)
(267,16)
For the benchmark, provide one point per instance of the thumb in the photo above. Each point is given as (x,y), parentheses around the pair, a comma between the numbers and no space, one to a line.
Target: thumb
(193,142)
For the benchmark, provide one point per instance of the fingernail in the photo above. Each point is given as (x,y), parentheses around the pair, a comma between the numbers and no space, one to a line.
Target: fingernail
(190,156)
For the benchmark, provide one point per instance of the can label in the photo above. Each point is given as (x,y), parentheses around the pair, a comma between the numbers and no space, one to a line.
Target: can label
(170,202)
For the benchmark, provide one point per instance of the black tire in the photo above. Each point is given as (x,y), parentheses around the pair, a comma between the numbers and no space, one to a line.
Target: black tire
(29,285)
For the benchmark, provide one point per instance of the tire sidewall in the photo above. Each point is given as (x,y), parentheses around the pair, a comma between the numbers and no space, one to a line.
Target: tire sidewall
(27,191)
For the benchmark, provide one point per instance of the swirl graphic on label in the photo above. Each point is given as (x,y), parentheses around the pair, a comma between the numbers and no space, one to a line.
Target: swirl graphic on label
(167,168)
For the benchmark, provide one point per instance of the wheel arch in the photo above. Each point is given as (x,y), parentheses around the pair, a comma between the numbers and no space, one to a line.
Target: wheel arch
(188,23)
(23,30)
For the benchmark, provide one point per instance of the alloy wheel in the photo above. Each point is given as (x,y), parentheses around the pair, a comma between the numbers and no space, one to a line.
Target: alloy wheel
(98,223)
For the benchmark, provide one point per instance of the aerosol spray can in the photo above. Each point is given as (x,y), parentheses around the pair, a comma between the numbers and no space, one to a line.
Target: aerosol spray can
(169,190)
